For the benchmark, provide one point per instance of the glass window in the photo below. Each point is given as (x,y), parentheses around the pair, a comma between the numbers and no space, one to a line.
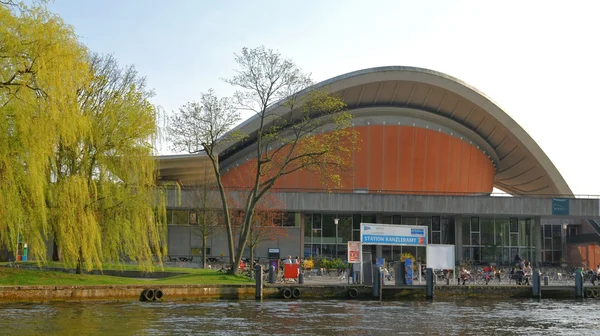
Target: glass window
(386,219)
(356,235)
(447,226)
(466,253)
(514,225)
(476,254)
(397,219)
(169,216)
(548,231)
(547,244)
(435,224)
(329,228)
(369,219)
(289,219)
(556,239)
(501,229)
(474,238)
(514,239)
(408,220)
(466,231)
(356,219)
(424,221)
(547,256)
(316,237)
(556,256)
(307,225)
(316,222)
(181,217)
(193,217)
(487,231)
(474,224)
(344,228)
(436,237)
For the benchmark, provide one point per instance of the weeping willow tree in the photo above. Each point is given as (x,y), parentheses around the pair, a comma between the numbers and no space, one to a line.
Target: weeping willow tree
(103,195)
(41,67)
(76,134)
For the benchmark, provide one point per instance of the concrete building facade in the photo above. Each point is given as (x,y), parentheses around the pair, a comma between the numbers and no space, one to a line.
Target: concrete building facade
(432,151)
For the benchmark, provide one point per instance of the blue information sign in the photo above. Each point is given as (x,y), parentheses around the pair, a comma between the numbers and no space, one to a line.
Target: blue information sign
(408,270)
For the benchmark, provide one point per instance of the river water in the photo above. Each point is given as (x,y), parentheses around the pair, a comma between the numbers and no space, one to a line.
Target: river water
(460,317)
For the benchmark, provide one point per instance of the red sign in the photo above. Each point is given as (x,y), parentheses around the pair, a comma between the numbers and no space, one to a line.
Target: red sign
(353,252)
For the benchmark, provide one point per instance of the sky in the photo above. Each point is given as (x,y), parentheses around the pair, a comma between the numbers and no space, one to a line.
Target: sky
(538,60)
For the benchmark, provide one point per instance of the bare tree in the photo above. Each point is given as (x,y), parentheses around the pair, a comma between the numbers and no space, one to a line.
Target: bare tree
(205,213)
(312,134)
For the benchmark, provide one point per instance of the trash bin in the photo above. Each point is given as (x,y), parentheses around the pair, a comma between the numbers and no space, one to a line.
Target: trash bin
(24,258)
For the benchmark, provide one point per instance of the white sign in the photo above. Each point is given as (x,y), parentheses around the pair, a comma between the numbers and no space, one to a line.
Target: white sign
(386,234)
(353,252)
(440,256)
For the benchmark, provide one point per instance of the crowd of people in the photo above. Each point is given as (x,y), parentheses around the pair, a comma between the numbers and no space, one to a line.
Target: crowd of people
(521,272)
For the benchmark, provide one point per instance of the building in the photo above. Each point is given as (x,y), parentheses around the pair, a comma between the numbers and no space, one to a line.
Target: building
(432,151)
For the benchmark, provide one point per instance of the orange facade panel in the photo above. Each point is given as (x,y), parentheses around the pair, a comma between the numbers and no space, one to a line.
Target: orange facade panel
(396,158)
(432,158)
(390,159)
(375,157)
(405,150)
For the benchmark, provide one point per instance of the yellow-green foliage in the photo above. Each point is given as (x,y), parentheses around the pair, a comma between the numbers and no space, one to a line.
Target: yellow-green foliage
(76,134)
(105,180)
(41,67)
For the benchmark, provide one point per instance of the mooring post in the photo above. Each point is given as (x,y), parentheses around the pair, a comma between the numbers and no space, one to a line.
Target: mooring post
(578,285)
(259,282)
(301,278)
(271,274)
(429,283)
(376,281)
(536,284)
(381,282)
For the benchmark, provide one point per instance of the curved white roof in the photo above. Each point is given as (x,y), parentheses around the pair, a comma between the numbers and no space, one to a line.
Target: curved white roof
(522,167)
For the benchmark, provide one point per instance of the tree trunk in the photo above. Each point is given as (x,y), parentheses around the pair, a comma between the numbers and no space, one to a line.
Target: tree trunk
(79,268)
(203,251)
(251,262)
(55,254)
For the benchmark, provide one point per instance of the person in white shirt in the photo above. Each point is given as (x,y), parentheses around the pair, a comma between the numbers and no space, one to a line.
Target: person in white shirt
(288,260)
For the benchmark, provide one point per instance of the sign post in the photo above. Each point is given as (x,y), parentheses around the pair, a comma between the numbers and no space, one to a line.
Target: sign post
(354,256)
(387,234)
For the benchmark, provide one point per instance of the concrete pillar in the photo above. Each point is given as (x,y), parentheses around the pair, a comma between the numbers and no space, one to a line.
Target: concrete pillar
(302,223)
(378,248)
(537,229)
(458,238)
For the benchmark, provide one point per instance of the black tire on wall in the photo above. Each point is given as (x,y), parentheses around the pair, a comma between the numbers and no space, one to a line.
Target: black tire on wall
(158,294)
(143,295)
(296,293)
(149,294)
(352,293)
(594,293)
(589,293)
(286,293)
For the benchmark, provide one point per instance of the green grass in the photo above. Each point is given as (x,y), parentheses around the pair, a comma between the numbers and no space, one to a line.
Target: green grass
(24,277)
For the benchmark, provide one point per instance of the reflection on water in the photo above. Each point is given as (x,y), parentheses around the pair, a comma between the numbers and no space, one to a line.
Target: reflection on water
(463,317)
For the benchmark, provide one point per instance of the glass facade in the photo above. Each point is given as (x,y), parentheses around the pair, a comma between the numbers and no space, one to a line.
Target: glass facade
(481,239)
(497,240)
(323,239)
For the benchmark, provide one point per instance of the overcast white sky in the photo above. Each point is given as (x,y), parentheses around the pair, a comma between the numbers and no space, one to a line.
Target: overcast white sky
(536,59)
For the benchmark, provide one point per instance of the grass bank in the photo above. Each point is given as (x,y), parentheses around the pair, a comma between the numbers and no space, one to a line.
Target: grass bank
(38,277)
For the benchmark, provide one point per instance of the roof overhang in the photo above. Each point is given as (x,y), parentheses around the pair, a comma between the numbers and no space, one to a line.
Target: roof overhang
(522,167)
(185,169)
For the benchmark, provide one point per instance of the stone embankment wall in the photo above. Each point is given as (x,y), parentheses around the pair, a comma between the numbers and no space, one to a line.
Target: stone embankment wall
(247,292)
